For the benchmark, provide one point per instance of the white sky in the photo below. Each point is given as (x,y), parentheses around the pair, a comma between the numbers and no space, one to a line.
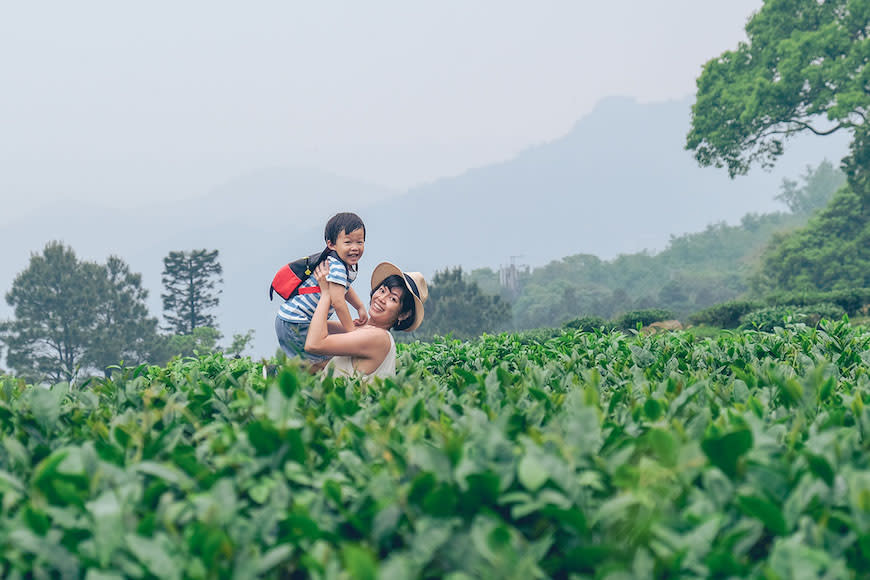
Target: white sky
(180,96)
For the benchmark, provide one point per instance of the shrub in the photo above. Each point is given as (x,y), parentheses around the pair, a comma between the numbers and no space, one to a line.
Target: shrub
(766,319)
(726,314)
(644,317)
(589,324)
(536,335)
(852,300)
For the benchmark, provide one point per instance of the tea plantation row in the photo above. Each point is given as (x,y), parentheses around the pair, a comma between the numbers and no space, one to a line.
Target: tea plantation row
(586,455)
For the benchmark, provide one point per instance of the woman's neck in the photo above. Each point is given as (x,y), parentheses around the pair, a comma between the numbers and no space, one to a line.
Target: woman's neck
(374,324)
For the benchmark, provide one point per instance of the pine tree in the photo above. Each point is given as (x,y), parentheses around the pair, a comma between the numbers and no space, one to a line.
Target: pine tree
(190,280)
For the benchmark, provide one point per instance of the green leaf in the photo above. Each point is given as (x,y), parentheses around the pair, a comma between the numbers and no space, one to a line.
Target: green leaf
(332,490)
(531,472)
(45,404)
(820,467)
(108,526)
(155,558)
(664,445)
(652,409)
(441,501)
(768,513)
(264,437)
(288,382)
(725,452)
(166,472)
(273,557)
(359,562)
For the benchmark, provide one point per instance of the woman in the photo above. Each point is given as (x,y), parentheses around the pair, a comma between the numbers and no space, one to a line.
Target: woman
(369,351)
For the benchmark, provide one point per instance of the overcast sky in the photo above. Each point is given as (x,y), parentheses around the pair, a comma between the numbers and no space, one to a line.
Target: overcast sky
(120,102)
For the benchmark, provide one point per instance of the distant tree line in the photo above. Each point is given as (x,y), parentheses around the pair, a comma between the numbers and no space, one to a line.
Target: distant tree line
(695,271)
(74,317)
(762,256)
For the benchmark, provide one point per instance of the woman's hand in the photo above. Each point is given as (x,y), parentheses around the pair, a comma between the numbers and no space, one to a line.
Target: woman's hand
(320,273)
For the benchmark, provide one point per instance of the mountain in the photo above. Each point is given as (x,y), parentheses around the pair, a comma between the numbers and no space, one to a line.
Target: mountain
(618,182)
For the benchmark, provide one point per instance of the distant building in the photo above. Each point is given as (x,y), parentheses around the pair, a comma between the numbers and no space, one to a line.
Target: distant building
(509,276)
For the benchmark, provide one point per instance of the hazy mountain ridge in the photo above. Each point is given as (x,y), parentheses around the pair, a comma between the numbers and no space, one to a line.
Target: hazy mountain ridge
(618,182)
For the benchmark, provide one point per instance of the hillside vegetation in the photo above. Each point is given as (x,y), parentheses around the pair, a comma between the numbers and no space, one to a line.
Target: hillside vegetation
(695,271)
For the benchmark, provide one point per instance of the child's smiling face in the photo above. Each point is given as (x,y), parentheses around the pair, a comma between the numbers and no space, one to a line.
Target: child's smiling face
(349,246)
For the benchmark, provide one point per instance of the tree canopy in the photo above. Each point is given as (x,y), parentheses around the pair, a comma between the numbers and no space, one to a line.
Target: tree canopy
(802,69)
(831,253)
(72,315)
(457,306)
(816,191)
(190,280)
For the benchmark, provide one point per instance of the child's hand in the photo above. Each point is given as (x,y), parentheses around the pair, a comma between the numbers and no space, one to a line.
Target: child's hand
(363,317)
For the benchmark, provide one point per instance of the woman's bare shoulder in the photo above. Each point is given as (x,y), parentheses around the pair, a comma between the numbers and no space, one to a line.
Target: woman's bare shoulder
(374,333)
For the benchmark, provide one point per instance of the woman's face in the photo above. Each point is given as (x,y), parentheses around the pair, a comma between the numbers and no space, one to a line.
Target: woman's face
(385,305)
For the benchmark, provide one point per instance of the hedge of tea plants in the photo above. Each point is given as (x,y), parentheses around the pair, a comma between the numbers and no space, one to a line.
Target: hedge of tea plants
(583,455)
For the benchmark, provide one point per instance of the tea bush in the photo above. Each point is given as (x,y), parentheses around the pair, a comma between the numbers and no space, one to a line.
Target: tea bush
(767,319)
(589,324)
(726,314)
(581,455)
(630,320)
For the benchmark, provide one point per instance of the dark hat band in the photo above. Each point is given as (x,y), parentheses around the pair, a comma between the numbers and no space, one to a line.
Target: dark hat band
(412,285)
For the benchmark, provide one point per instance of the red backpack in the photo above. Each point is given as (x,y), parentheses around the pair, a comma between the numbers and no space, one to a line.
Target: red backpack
(288,279)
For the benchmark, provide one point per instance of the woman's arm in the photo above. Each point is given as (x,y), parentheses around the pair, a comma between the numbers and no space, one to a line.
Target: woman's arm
(367,343)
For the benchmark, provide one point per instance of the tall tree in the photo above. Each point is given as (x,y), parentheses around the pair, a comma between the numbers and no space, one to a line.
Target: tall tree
(818,187)
(190,280)
(55,301)
(458,307)
(831,253)
(803,68)
(72,316)
(62,324)
(125,330)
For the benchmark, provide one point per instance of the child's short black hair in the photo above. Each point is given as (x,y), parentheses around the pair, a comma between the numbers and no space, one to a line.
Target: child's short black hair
(408,305)
(346,222)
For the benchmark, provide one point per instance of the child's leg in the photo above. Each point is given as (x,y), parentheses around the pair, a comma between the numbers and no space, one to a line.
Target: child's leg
(291,338)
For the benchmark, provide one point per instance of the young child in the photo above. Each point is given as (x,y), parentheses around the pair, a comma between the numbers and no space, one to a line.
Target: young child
(345,236)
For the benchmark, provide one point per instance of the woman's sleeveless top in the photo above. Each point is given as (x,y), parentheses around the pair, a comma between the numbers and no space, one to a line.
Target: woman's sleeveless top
(344,364)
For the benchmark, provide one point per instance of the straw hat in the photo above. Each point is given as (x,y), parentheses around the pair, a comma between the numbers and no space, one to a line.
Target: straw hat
(414,282)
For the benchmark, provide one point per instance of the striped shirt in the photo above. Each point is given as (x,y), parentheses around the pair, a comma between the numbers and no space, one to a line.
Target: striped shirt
(299,309)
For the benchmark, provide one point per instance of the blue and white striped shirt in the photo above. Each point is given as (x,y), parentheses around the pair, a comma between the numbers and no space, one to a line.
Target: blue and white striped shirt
(300,308)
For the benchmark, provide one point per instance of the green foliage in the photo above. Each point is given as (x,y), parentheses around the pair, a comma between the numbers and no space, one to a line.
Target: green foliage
(190,280)
(831,253)
(126,333)
(457,307)
(589,324)
(240,343)
(695,271)
(580,455)
(73,315)
(802,68)
(767,319)
(203,340)
(851,300)
(815,193)
(630,320)
(726,314)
